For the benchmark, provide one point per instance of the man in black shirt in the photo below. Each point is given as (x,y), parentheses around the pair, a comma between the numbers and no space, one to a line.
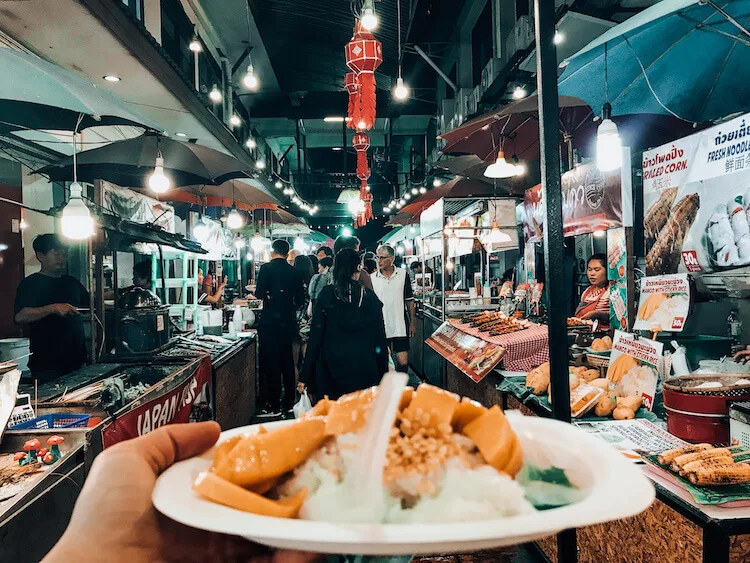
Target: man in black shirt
(282,292)
(48,302)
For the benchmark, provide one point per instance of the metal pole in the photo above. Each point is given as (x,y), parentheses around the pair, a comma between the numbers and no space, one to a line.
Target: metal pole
(435,67)
(116,324)
(554,252)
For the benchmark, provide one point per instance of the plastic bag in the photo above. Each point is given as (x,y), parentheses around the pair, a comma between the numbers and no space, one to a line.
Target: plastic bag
(302,406)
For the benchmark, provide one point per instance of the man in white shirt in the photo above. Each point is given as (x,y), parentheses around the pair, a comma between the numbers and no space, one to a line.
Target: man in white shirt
(393,288)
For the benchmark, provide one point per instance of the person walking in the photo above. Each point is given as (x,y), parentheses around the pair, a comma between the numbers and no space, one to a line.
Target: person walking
(343,242)
(393,288)
(347,350)
(323,278)
(282,291)
(304,269)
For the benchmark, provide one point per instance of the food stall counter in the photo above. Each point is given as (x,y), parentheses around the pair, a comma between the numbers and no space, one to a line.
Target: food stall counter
(675,526)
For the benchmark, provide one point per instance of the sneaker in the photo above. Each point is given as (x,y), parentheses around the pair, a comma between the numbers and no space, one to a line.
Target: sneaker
(269,412)
(289,415)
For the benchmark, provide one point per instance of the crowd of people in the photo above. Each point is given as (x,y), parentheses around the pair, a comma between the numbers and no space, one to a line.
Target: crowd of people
(330,322)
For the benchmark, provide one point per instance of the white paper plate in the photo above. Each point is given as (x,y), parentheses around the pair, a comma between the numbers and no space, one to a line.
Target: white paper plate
(615,489)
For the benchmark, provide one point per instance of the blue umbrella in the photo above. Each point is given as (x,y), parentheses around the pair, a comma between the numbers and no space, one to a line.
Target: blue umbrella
(687,58)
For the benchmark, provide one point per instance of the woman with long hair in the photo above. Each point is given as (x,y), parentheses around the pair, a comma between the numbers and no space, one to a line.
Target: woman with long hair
(347,350)
(304,269)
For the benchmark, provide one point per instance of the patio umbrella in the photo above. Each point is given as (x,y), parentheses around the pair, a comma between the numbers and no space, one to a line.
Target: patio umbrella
(36,94)
(240,190)
(686,58)
(129,163)
(472,168)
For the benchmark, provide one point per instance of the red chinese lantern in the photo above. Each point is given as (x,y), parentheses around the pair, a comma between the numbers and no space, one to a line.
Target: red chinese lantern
(364,54)
(351,85)
(361,142)
(363,191)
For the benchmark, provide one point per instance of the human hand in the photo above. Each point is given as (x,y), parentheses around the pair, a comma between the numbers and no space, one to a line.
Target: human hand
(412,329)
(115,520)
(63,309)
(743,356)
(300,388)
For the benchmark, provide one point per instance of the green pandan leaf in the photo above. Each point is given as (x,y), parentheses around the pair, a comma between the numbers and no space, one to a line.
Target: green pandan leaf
(548,488)
(553,475)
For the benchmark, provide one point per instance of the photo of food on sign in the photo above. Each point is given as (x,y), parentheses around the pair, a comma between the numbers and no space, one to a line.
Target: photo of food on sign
(664,303)
(696,195)
(634,367)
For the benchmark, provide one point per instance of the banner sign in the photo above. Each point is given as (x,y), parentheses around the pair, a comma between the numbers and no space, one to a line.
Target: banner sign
(617,257)
(634,367)
(592,201)
(473,356)
(664,304)
(697,202)
(173,406)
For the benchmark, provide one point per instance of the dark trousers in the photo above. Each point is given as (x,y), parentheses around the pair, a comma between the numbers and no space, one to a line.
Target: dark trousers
(276,365)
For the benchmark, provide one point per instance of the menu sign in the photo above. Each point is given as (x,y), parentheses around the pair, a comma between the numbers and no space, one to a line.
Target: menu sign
(664,303)
(634,367)
(697,202)
(592,201)
(617,249)
(473,356)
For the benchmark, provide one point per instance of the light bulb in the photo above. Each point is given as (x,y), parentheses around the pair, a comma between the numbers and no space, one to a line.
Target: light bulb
(215,94)
(235,120)
(195,45)
(250,143)
(437,182)
(401,91)
(77,223)
(368,17)
(558,38)
(239,243)
(422,190)
(386,210)
(500,168)
(23,224)
(608,146)
(399,205)
(368,188)
(260,164)
(257,243)
(315,208)
(407,196)
(414,191)
(448,264)
(346,231)
(519,93)
(200,231)
(600,234)
(234,219)
(158,181)
(361,125)
(402,201)
(278,184)
(496,236)
(249,256)
(250,80)
(356,206)
(299,245)
(313,211)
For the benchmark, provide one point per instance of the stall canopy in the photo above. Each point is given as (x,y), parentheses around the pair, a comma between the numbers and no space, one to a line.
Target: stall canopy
(687,58)
(240,191)
(36,94)
(472,168)
(122,234)
(129,163)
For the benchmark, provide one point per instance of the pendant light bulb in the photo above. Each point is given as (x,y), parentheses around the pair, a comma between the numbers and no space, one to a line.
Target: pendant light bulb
(235,120)
(519,93)
(250,143)
(257,243)
(195,45)
(250,80)
(437,182)
(200,231)
(260,164)
(369,18)
(278,184)
(422,190)
(234,219)
(77,223)
(496,236)
(401,91)
(215,94)
(608,143)
(501,168)
(158,182)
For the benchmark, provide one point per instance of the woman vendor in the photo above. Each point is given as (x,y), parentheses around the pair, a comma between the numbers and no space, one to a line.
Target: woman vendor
(594,303)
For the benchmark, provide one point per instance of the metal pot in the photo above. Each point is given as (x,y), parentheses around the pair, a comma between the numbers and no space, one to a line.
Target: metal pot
(145,329)
(139,298)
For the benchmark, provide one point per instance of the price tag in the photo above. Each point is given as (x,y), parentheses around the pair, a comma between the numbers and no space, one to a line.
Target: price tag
(159,323)
(678,323)
(690,258)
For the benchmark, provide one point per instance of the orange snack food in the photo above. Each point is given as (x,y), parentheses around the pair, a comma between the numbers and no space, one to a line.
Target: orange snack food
(439,404)
(218,490)
(495,439)
(349,413)
(467,411)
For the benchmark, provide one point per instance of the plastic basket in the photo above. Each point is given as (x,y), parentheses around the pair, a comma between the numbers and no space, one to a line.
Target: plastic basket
(58,420)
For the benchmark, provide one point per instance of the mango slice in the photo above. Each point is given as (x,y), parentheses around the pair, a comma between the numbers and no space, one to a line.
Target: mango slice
(438,403)
(349,413)
(262,457)
(218,490)
(495,440)
(467,411)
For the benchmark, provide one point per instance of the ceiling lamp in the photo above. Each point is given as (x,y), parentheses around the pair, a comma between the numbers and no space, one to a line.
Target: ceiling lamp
(111,78)
(500,168)
(250,143)
(356,206)
(496,236)
(77,223)
(401,91)
(234,219)
(158,181)
(257,243)
(368,17)
(423,190)
(235,120)
(215,94)
(200,231)
(250,80)
(260,164)
(195,45)
(608,144)
(519,92)
(558,38)
(437,182)
(278,184)
(414,191)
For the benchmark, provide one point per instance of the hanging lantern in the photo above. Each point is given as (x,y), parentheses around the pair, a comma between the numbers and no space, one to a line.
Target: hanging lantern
(351,85)
(364,54)
(363,191)
(361,142)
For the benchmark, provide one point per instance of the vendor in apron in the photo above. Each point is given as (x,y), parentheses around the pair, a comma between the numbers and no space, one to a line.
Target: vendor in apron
(594,303)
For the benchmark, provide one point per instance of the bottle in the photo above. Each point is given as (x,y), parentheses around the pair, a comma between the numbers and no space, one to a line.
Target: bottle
(734,322)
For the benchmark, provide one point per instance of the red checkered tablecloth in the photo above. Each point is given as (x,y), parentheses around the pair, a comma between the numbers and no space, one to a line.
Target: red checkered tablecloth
(524,349)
